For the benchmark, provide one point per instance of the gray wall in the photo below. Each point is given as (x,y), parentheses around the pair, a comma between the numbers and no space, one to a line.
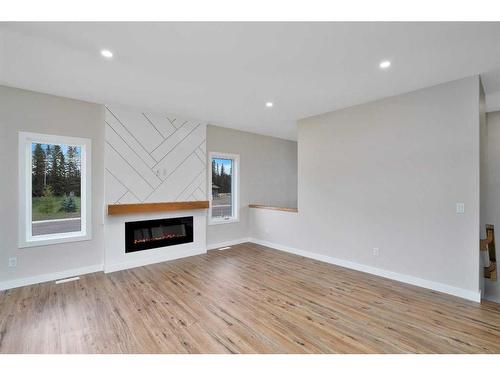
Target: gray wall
(388,175)
(490,189)
(22,110)
(268,175)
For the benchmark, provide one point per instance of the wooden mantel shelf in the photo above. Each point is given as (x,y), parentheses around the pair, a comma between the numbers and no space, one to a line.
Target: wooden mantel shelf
(135,208)
(287,209)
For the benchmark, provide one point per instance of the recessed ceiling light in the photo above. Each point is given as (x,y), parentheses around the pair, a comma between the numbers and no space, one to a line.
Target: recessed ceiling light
(385,64)
(107,53)
(269,104)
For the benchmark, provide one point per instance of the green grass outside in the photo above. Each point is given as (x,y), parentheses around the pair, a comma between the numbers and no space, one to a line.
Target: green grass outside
(56,212)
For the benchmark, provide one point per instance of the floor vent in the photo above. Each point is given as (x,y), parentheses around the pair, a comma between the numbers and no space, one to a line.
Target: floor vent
(67,280)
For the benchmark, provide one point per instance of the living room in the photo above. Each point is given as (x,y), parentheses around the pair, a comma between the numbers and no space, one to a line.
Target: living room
(249,187)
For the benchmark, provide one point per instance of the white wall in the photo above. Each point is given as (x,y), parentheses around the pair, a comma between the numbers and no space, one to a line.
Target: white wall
(490,197)
(22,110)
(388,175)
(268,175)
(154,157)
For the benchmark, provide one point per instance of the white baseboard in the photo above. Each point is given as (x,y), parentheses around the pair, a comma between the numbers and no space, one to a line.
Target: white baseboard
(227,243)
(16,283)
(439,287)
(152,260)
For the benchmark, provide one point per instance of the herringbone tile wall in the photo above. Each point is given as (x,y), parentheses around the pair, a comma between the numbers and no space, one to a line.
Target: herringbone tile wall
(154,158)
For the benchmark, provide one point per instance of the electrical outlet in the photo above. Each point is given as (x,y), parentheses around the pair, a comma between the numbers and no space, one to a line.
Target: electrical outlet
(13,262)
(376,251)
(460,208)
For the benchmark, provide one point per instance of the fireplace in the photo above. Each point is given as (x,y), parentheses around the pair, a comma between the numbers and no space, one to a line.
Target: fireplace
(150,234)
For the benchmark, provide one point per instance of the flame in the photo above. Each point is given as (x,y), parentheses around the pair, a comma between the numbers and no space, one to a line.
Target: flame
(164,237)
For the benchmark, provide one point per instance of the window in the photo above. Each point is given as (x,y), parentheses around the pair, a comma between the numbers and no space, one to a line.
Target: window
(223,183)
(54,181)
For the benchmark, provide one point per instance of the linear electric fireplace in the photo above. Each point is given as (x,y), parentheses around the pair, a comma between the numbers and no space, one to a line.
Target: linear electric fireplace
(149,234)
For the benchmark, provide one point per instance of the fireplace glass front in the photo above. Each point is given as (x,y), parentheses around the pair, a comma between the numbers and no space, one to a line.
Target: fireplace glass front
(150,234)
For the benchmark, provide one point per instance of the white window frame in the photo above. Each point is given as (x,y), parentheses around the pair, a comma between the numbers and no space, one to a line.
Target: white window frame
(235,193)
(26,239)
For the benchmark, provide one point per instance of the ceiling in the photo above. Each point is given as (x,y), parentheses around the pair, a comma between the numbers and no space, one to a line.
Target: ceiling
(224,73)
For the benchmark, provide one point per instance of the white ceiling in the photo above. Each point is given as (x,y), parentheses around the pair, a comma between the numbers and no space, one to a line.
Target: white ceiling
(224,73)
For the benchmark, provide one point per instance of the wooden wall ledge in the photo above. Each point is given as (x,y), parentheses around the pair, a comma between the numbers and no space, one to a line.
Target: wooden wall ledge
(287,209)
(135,208)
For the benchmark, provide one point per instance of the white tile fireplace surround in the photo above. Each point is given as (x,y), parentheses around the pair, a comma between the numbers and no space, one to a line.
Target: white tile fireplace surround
(115,257)
(152,158)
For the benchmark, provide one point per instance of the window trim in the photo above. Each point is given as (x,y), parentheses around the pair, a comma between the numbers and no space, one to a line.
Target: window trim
(235,181)
(25,237)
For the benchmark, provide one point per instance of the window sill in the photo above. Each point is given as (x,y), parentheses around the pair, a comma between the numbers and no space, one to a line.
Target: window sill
(217,222)
(54,240)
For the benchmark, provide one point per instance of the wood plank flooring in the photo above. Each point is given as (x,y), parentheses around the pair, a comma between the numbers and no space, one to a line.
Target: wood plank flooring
(249,299)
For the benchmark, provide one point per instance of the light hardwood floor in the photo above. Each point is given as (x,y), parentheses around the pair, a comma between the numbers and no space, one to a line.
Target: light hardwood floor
(249,299)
